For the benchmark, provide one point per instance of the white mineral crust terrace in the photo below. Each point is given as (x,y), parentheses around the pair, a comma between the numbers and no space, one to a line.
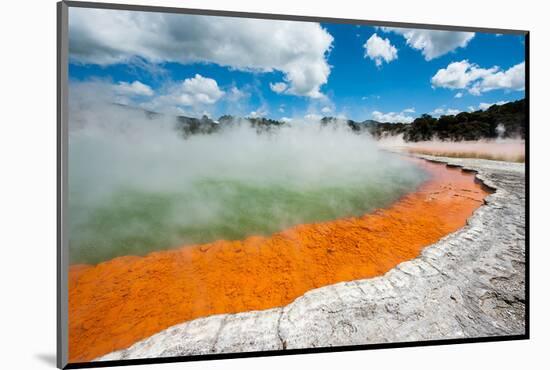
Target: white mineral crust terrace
(469,284)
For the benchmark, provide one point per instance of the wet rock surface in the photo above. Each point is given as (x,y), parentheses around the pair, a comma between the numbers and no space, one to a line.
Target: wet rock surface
(469,284)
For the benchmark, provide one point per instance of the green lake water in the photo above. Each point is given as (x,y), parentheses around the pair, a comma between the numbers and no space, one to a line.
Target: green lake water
(127,199)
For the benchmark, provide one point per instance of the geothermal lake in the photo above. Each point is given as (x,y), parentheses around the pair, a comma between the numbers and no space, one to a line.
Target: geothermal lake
(138,186)
(241,220)
(141,296)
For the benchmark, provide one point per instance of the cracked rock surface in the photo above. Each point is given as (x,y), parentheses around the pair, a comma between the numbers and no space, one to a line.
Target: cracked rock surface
(469,284)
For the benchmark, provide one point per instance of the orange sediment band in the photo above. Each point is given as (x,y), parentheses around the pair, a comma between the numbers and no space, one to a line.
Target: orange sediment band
(116,303)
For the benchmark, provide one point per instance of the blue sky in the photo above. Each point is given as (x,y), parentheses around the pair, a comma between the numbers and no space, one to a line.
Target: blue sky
(195,64)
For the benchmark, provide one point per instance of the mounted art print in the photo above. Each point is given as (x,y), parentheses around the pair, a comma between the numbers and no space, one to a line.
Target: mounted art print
(239,184)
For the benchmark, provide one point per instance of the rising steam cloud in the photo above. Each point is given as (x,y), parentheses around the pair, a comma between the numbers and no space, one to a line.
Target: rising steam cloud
(136,185)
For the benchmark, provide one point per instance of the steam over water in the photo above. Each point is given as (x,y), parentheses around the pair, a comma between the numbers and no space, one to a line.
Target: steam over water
(136,185)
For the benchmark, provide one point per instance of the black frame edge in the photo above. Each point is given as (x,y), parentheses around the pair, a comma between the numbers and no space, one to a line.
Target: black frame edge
(58,343)
(289,17)
(61,147)
(304,351)
(527,180)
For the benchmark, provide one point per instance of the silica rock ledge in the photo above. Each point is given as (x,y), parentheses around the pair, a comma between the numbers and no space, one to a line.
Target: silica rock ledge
(469,284)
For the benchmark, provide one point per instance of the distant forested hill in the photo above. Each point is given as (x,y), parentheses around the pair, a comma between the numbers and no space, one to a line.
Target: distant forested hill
(205,125)
(507,120)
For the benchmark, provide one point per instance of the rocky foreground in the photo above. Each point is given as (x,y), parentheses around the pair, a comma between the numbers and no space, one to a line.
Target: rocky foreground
(469,284)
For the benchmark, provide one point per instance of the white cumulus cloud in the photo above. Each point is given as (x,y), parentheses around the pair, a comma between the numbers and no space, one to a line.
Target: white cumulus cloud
(135,88)
(511,79)
(297,49)
(466,75)
(392,117)
(485,106)
(459,75)
(190,96)
(199,90)
(278,87)
(445,112)
(379,50)
(433,43)
(258,113)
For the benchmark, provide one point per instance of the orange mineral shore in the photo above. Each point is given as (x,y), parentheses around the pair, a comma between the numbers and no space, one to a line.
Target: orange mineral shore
(119,302)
